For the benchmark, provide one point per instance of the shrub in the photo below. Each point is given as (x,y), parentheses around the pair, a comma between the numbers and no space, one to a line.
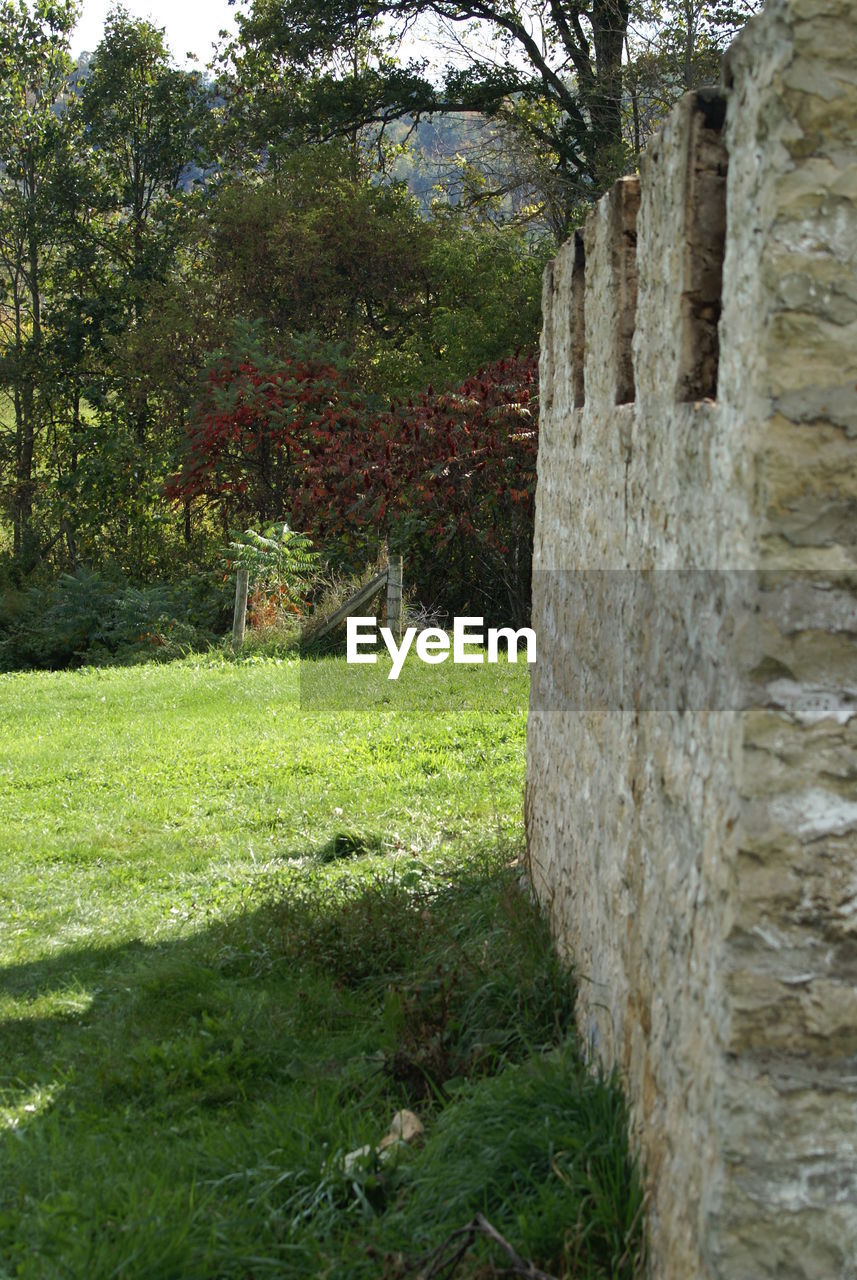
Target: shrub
(448,478)
(86,618)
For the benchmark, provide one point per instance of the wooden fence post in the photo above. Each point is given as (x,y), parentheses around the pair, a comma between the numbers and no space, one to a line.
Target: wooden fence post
(394,596)
(239,619)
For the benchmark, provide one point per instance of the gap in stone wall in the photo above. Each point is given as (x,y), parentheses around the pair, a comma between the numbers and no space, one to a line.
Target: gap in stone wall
(704,247)
(626,205)
(578,320)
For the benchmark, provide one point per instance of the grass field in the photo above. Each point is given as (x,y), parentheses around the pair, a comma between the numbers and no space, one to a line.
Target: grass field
(238,933)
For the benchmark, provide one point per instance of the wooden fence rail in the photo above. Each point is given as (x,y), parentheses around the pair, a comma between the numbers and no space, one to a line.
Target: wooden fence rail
(357,601)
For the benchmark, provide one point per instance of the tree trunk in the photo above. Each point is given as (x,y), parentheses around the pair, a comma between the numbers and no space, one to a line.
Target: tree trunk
(604,101)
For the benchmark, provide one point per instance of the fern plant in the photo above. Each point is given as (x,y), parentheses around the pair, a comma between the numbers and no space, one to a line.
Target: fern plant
(281,563)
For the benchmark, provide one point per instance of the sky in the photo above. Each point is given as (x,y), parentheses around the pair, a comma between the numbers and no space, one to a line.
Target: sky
(191,25)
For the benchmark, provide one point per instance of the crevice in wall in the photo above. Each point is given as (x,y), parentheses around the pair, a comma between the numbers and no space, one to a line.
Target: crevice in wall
(626,206)
(704,247)
(578,320)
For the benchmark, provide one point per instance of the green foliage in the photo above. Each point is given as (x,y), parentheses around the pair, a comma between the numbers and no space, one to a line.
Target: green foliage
(482,303)
(302,46)
(144,117)
(279,560)
(34,63)
(91,182)
(160,232)
(320,246)
(317,244)
(567,90)
(142,279)
(676,46)
(87,618)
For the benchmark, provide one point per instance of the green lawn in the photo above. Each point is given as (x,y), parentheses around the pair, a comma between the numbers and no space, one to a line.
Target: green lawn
(238,933)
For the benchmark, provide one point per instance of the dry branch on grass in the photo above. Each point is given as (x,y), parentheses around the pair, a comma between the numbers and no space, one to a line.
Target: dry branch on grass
(443,1262)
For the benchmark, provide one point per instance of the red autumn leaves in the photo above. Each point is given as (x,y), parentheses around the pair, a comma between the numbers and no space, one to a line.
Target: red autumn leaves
(445,473)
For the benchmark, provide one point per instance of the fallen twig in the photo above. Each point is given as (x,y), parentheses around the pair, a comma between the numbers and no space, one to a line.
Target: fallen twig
(443,1261)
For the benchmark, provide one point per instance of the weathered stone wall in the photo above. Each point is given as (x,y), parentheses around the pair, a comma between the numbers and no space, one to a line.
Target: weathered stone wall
(692,754)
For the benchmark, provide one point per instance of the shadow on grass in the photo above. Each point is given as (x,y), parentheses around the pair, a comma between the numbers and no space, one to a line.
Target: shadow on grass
(181,1108)
(458,959)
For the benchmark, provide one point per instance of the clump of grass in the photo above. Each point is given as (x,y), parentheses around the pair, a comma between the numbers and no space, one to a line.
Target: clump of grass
(541,1152)
(350,844)
(461,958)
(354,925)
(268,638)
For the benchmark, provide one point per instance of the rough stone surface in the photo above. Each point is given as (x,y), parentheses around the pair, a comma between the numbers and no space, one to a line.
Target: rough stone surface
(692,752)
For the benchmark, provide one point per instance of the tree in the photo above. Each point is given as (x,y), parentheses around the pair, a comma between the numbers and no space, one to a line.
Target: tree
(674,46)
(551,68)
(571,89)
(34,67)
(144,122)
(449,476)
(320,246)
(122,221)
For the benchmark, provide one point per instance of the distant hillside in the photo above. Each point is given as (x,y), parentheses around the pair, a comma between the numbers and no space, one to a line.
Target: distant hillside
(435,149)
